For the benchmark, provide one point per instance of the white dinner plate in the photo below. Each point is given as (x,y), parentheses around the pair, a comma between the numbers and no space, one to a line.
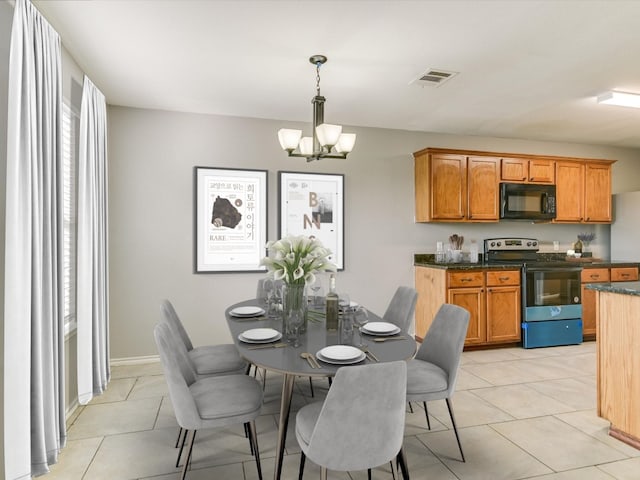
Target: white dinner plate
(340,352)
(380,328)
(248,311)
(260,334)
(334,361)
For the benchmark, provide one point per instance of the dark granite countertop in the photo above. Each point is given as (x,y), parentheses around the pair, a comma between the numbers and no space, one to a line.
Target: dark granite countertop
(624,288)
(428,260)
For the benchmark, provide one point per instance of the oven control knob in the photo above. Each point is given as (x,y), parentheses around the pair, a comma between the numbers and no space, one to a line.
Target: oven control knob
(493,244)
(528,244)
(535,244)
(499,244)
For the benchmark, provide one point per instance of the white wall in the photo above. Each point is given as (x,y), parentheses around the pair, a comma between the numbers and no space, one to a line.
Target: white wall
(152,155)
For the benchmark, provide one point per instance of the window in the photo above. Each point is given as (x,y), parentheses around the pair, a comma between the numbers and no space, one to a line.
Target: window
(70,127)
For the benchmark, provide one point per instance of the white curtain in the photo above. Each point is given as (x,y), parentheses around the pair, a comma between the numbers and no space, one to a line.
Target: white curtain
(34,416)
(93,280)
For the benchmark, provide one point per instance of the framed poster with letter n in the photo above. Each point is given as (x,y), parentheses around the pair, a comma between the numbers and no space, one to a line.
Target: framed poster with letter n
(312,204)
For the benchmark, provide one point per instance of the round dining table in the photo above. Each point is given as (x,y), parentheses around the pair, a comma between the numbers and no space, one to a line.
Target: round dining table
(287,360)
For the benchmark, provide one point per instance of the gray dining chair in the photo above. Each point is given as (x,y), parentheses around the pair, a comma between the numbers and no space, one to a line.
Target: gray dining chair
(360,424)
(432,374)
(207,360)
(401,308)
(208,402)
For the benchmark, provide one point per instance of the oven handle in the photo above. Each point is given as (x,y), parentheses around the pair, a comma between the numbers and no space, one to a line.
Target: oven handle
(533,268)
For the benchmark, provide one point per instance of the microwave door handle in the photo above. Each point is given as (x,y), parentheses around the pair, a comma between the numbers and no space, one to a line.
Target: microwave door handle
(545,203)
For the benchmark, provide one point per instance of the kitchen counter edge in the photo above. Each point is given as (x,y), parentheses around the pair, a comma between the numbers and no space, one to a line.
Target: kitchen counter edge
(623,288)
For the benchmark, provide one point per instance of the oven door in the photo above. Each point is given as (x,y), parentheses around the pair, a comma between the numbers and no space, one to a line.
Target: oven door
(552,286)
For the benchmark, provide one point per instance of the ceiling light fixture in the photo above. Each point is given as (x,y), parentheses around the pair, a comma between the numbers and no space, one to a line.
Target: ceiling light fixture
(622,99)
(326,137)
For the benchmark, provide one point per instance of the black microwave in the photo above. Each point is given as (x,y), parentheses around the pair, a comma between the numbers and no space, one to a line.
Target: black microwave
(524,201)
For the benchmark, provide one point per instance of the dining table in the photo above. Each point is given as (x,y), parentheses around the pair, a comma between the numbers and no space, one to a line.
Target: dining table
(287,360)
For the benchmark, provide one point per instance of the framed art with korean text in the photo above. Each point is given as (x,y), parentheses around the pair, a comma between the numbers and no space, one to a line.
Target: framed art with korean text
(230,219)
(312,204)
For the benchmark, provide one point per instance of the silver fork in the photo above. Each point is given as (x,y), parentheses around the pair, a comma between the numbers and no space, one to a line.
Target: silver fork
(370,354)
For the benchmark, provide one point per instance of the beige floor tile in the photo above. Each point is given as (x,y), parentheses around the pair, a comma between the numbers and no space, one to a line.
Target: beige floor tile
(117,391)
(579,395)
(589,422)
(521,401)
(588,473)
(149,387)
(416,423)
(468,409)
(290,468)
(503,373)
(623,470)
(113,418)
(74,459)
(138,370)
(134,455)
(468,381)
(557,444)
(489,456)
(490,356)
(228,472)
(166,417)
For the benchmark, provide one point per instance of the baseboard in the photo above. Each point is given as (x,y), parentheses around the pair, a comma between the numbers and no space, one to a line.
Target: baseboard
(119,362)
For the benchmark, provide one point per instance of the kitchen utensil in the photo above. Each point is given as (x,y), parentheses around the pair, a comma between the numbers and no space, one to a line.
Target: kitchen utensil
(369,354)
(271,345)
(384,339)
(309,358)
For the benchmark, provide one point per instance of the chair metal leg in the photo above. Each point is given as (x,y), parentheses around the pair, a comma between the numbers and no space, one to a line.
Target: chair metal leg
(184,439)
(410,407)
(253,440)
(402,461)
(393,470)
(247,434)
(179,437)
(330,380)
(248,372)
(368,474)
(192,438)
(311,387)
(323,473)
(455,429)
(426,413)
(303,457)
(264,378)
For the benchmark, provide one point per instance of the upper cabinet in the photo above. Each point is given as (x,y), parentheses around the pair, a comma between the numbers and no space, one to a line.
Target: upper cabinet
(583,192)
(522,170)
(456,188)
(464,186)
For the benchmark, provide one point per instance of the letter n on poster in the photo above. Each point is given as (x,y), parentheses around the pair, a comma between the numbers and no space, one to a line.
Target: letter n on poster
(230,219)
(312,204)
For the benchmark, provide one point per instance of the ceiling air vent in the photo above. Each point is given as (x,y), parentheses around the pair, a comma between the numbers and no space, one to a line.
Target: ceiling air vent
(434,78)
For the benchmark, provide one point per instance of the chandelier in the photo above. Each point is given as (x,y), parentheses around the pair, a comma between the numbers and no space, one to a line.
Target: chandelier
(327,141)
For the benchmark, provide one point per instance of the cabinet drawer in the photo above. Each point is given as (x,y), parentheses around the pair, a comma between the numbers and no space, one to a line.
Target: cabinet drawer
(466,279)
(593,275)
(503,277)
(624,274)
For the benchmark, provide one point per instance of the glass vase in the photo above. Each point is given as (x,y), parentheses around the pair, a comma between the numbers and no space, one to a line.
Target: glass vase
(294,311)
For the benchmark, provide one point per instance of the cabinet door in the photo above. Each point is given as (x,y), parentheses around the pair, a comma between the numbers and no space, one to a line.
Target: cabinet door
(591,275)
(514,170)
(503,314)
(483,188)
(448,187)
(432,291)
(597,199)
(541,171)
(473,300)
(569,191)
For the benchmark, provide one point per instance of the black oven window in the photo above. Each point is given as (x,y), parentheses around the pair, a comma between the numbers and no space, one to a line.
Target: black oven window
(552,288)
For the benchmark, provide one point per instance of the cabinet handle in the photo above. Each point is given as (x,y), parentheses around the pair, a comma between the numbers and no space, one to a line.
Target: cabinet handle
(503,279)
(594,276)
(466,279)
(624,275)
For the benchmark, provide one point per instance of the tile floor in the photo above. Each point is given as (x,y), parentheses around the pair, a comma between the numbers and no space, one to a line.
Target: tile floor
(522,414)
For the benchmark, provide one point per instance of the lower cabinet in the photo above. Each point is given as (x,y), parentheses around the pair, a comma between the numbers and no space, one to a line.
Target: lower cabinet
(492,297)
(599,275)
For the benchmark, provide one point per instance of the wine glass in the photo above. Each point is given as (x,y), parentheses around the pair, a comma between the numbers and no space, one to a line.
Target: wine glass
(267,289)
(360,319)
(295,321)
(316,288)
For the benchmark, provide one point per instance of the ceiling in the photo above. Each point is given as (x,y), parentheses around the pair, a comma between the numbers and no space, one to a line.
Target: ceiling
(527,69)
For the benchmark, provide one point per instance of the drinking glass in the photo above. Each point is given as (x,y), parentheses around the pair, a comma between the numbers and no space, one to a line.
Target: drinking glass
(267,289)
(360,318)
(275,302)
(318,296)
(295,321)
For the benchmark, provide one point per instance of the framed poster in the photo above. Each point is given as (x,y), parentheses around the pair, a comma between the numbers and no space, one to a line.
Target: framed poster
(313,204)
(230,219)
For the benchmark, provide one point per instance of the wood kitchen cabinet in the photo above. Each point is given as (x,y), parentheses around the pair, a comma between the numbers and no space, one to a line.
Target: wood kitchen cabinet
(522,170)
(599,275)
(583,192)
(492,298)
(456,187)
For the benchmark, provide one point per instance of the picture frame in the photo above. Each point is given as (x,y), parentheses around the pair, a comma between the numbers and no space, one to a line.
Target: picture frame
(230,226)
(312,204)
